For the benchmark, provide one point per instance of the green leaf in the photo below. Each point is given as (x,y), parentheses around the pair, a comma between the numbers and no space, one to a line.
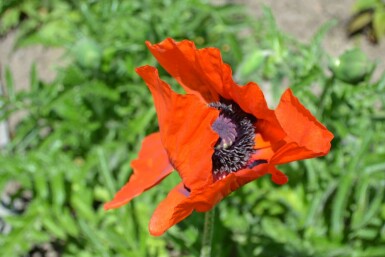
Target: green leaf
(340,203)
(34,78)
(251,63)
(58,188)
(9,19)
(379,22)
(364,4)
(53,227)
(110,182)
(9,84)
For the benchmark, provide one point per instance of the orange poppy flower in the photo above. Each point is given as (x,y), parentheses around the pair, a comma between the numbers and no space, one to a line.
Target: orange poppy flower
(218,136)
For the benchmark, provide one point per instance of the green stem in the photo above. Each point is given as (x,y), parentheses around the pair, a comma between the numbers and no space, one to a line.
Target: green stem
(208,230)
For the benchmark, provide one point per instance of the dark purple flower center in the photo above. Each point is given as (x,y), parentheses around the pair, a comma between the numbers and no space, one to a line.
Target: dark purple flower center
(236,139)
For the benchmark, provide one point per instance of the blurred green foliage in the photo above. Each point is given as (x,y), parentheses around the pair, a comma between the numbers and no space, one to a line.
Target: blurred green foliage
(368,19)
(74,146)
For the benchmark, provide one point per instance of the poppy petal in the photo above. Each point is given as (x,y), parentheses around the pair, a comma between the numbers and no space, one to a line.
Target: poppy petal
(262,154)
(199,71)
(277,176)
(185,128)
(251,99)
(173,209)
(260,142)
(150,168)
(205,199)
(203,71)
(180,203)
(305,137)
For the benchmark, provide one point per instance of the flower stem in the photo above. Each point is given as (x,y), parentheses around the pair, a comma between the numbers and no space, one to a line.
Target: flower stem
(208,230)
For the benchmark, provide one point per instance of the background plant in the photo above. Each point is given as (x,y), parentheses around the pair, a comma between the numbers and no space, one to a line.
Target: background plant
(368,19)
(72,151)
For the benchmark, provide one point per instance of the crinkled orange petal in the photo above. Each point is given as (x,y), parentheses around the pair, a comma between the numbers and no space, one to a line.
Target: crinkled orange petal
(180,203)
(206,199)
(203,72)
(277,176)
(306,136)
(173,209)
(260,142)
(262,154)
(251,99)
(265,152)
(180,59)
(185,128)
(150,168)
(199,71)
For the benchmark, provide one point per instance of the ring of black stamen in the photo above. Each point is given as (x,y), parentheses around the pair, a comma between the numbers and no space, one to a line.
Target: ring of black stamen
(231,154)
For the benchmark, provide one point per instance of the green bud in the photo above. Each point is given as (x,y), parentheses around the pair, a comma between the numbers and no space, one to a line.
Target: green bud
(88,53)
(352,66)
